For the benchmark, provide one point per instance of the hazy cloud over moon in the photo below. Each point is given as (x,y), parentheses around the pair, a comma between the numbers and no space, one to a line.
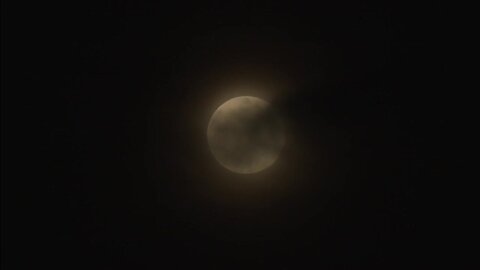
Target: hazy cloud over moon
(245,135)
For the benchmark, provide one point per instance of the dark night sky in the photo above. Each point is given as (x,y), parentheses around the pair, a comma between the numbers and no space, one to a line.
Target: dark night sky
(104,151)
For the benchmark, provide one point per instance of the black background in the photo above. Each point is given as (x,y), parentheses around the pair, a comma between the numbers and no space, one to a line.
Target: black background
(104,165)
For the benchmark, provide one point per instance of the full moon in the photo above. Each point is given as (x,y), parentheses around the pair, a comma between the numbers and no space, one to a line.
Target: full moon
(245,135)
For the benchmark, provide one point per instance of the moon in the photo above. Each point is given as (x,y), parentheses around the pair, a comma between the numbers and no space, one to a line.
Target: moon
(245,135)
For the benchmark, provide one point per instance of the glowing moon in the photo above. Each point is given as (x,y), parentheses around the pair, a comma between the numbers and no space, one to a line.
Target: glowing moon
(245,135)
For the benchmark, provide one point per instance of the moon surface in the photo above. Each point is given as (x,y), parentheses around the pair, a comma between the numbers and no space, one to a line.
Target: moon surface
(245,135)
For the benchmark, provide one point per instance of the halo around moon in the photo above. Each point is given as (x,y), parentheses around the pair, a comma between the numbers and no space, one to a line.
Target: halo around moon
(245,135)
